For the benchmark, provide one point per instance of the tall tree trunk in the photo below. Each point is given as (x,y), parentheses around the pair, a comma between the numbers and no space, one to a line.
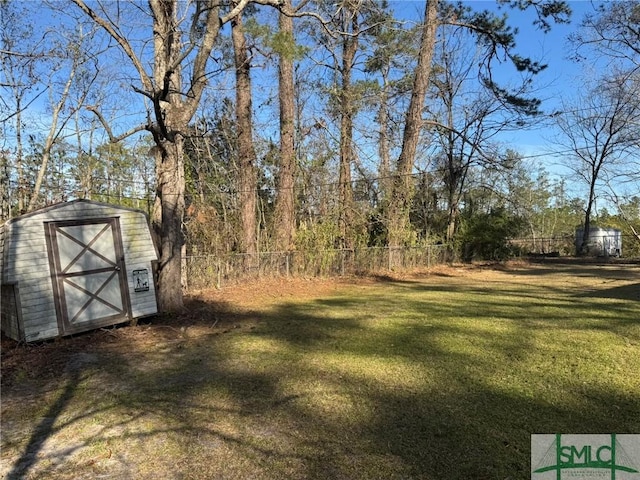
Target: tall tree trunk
(596,166)
(22,190)
(583,249)
(454,184)
(172,119)
(285,204)
(347,110)
(398,222)
(384,169)
(246,152)
(168,214)
(5,188)
(452,220)
(453,170)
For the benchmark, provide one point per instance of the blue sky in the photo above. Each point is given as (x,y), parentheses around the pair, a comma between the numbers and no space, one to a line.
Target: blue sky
(556,82)
(561,76)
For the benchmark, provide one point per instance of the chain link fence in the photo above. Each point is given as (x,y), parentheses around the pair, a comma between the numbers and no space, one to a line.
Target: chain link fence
(204,271)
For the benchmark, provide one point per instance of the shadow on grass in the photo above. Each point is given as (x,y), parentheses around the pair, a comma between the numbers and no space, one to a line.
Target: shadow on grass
(44,429)
(368,386)
(584,268)
(629,292)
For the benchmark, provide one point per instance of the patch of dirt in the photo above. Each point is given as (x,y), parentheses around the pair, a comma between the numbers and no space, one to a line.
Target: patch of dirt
(207,312)
(266,290)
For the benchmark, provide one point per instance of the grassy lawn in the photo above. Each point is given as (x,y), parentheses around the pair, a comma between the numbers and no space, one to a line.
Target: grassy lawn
(439,375)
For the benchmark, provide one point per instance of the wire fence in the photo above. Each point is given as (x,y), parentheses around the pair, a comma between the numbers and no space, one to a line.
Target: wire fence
(551,246)
(600,244)
(204,271)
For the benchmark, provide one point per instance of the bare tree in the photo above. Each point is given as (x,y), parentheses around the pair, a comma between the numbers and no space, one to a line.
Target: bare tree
(60,115)
(626,211)
(600,131)
(466,116)
(184,35)
(611,32)
(21,54)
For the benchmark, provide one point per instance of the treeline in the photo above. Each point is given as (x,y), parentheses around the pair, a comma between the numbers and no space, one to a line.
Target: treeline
(246,126)
(522,201)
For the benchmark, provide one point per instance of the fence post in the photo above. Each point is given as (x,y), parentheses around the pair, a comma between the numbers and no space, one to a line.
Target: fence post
(184,274)
(218,274)
(428,257)
(286,262)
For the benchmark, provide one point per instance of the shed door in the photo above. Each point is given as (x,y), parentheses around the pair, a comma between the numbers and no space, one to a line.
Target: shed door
(88,270)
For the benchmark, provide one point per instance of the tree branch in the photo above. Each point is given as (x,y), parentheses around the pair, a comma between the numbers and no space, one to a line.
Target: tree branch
(112,137)
(124,44)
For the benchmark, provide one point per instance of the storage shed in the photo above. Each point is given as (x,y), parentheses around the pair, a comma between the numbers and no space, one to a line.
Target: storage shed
(73,267)
(603,242)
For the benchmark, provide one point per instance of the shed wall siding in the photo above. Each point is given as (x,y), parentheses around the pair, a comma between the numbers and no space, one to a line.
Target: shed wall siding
(38,310)
(142,303)
(9,309)
(26,262)
(139,253)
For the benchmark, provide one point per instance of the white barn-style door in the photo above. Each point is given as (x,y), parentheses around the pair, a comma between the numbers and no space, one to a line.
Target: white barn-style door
(87,265)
